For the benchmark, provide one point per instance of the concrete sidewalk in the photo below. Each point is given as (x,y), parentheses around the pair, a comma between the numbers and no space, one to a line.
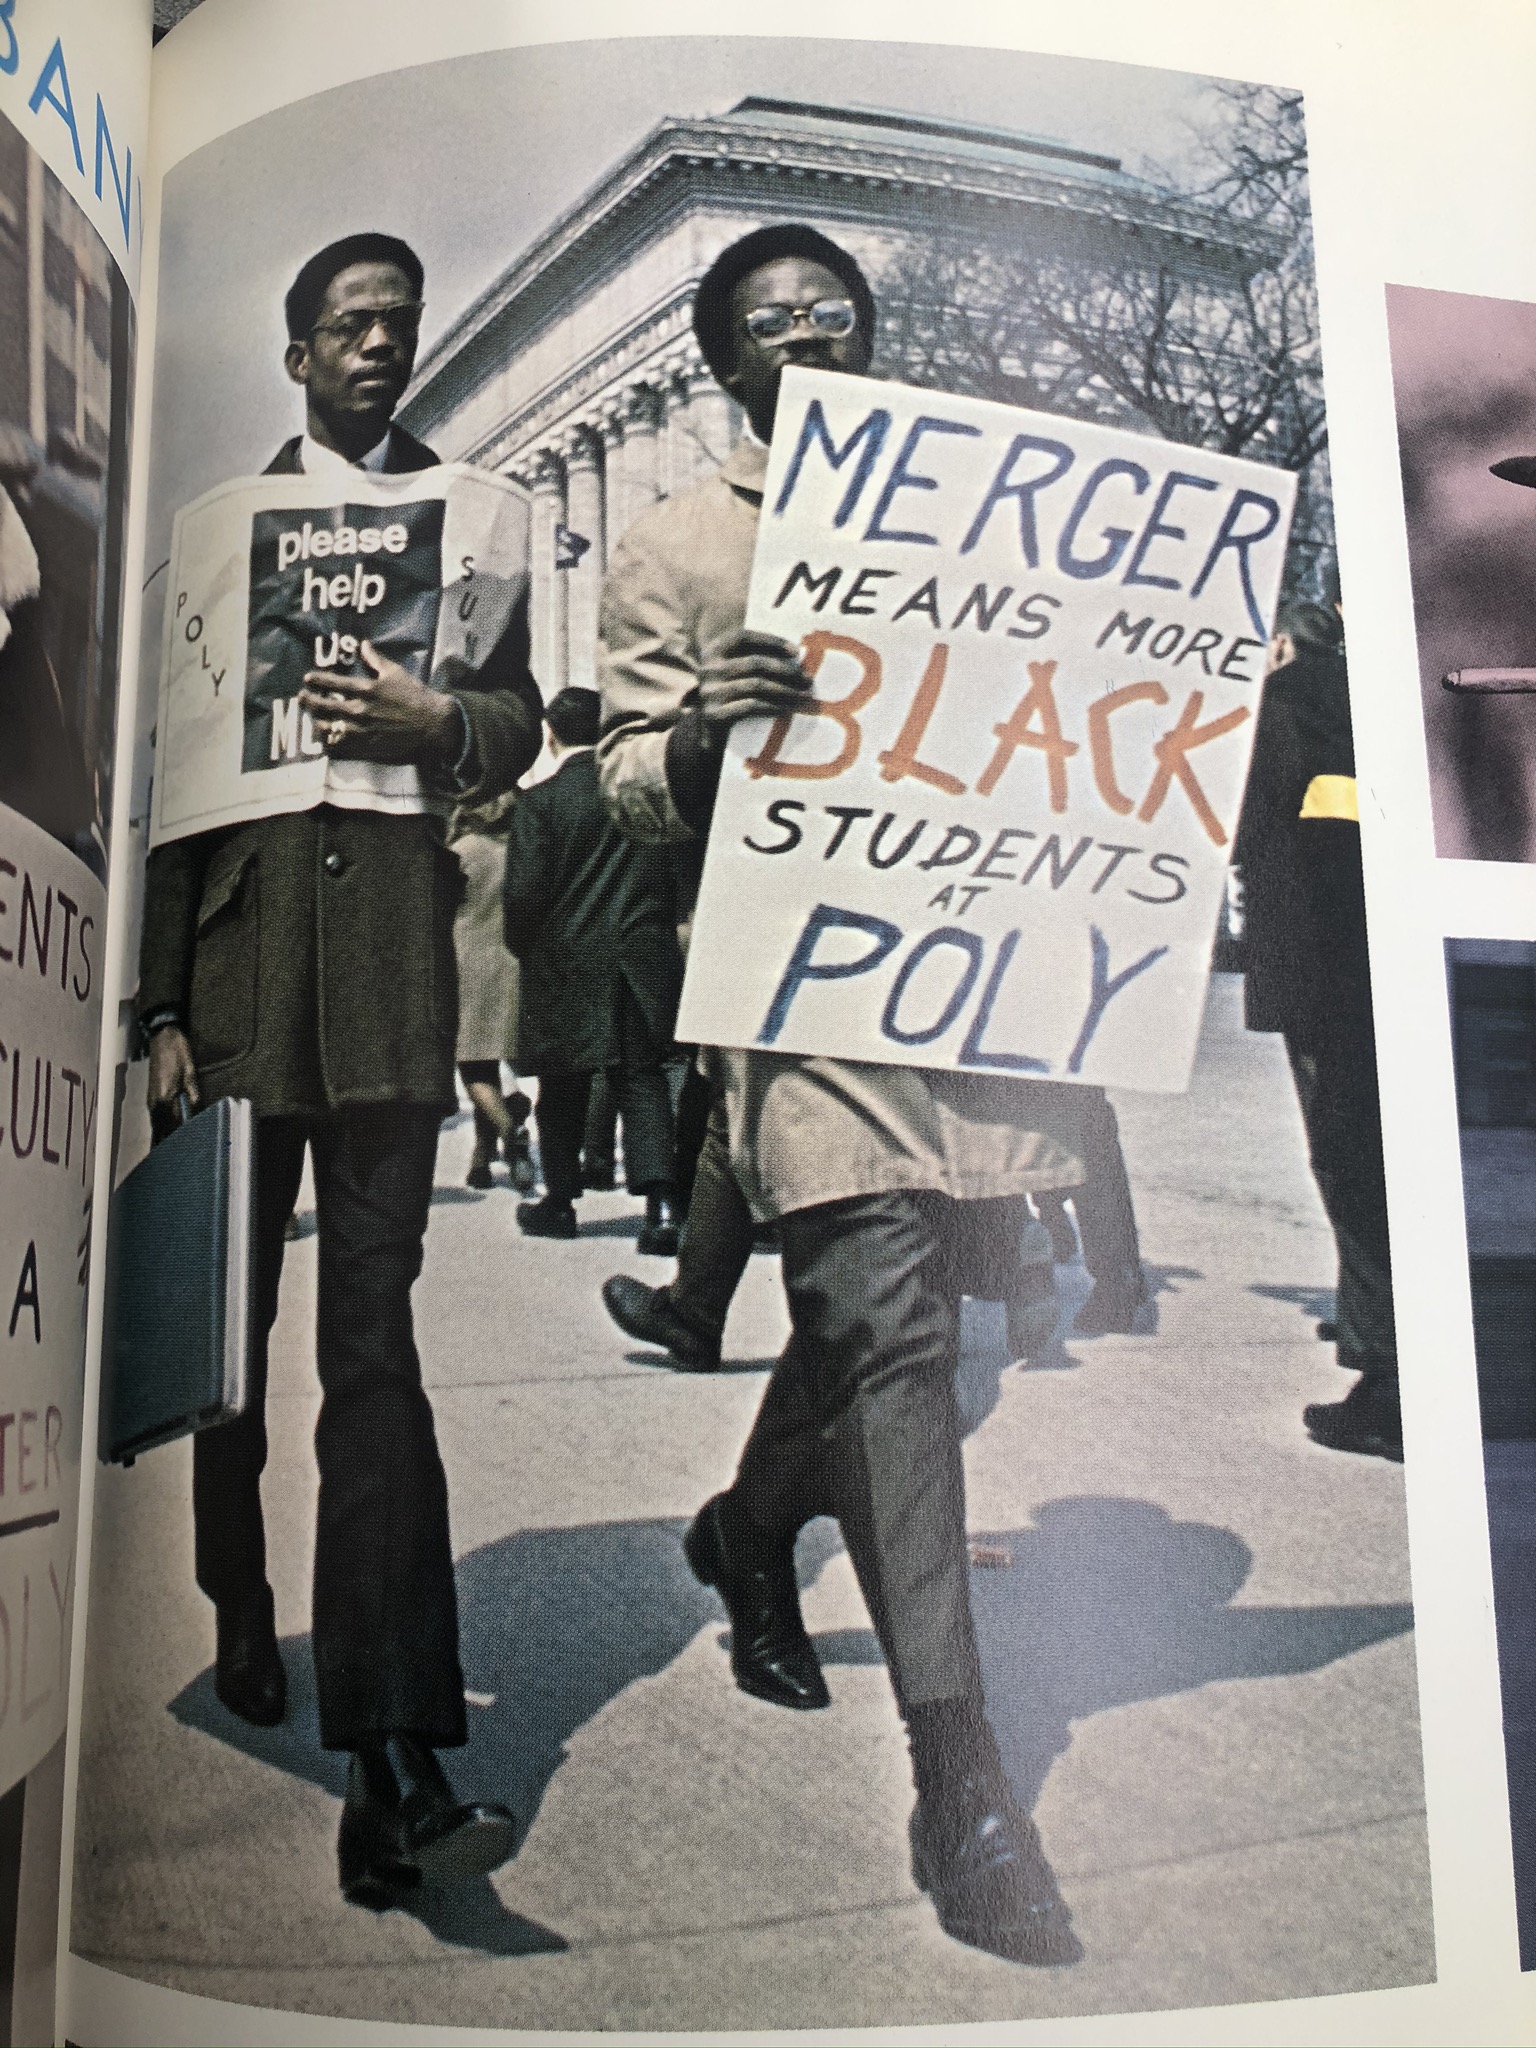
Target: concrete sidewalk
(1199,1657)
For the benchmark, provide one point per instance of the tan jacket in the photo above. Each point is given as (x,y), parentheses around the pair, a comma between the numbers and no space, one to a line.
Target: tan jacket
(803,1130)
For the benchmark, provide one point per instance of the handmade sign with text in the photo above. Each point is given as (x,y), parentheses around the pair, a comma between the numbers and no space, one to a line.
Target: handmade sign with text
(997,839)
(276,577)
(52,922)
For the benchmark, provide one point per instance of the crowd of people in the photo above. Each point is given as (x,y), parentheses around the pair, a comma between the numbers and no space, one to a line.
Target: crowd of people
(303,961)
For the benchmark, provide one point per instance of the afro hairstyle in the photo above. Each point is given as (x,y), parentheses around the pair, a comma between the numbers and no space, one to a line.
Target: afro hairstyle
(712,325)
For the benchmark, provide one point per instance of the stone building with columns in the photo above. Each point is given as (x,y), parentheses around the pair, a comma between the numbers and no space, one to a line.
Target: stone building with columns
(576,373)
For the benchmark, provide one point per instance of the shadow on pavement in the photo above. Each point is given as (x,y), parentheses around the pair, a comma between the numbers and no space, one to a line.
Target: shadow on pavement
(1312,1301)
(663,1361)
(1107,1601)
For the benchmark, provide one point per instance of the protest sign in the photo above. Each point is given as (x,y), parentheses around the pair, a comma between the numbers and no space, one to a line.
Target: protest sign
(52,920)
(274,577)
(998,840)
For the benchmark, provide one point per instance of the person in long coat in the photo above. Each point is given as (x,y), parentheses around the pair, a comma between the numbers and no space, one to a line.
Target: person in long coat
(488,995)
(1307,974)
(592,918)
(870,1170)
(305,961)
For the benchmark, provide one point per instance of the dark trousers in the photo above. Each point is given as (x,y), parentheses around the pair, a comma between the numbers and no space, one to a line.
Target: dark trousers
(644,1102)
(1106,1217)
(860,1421)
(600,1128)
(695,1103)
(1336,1087)
(646,1109)
(717,1237)
(386,1632)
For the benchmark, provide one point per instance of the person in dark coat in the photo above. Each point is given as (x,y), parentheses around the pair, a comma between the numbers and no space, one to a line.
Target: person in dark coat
(306,961)
(592,917)
(1307,975)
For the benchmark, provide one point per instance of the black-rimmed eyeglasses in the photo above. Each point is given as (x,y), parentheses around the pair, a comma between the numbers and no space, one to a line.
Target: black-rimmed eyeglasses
(401,322)
(828,320)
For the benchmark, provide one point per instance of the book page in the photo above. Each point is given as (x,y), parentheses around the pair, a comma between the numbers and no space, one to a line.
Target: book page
(74,103)
(1183,1345)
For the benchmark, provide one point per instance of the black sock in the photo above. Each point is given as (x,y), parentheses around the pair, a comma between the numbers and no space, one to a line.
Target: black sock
(416,1765)
(378,1772)
(747,1543)
(952,1744)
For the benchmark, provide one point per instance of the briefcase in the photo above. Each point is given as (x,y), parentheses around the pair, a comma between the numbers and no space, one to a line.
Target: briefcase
(178,1320)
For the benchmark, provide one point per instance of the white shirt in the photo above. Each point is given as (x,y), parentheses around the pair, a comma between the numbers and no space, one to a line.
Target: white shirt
(315,460)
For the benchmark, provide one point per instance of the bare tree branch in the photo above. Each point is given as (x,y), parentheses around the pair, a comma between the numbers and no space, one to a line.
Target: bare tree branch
(1212,356)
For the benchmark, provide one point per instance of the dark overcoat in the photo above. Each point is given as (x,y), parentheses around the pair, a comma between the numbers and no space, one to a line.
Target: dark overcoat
(1306,962)
(592,917)
(310,956)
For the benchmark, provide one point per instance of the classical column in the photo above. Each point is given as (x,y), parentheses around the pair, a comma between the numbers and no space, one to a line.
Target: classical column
(583,581)
(546,597)
(616,454)
(640,488)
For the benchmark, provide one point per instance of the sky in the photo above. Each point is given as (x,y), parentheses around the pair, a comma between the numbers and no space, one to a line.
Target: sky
(472,158)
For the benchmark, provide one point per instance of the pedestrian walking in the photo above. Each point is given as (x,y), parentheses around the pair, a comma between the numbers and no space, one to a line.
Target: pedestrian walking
(592,917)
(854,1161)
(1106,1222)
(305,961)
(488,996)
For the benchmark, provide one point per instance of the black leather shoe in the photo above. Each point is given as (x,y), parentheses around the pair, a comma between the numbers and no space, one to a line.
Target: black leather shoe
(479,1174)
(646,1314)
(546,1219)
(1367,1421)
(445,1838)
(518,1154)
(248,1673)
(771,1654)
(368,1859)
(977,1854)
(1110,1309)
(659,1233)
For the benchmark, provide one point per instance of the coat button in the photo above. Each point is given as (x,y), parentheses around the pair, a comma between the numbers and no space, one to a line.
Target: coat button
(335,864)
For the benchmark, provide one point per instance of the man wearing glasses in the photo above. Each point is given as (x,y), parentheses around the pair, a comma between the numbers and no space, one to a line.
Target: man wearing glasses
(862,1166)
(306,961)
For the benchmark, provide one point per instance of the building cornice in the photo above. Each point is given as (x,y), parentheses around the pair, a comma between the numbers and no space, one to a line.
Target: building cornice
(750,165)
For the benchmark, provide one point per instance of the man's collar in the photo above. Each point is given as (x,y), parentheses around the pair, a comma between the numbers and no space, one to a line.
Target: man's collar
(746,467)
(316,460)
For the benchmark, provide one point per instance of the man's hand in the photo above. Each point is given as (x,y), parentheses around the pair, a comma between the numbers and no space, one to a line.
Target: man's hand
(172,1070)
(749,675)
(386,716)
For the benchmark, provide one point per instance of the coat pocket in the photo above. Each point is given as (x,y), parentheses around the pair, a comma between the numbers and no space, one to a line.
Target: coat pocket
(225,968)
